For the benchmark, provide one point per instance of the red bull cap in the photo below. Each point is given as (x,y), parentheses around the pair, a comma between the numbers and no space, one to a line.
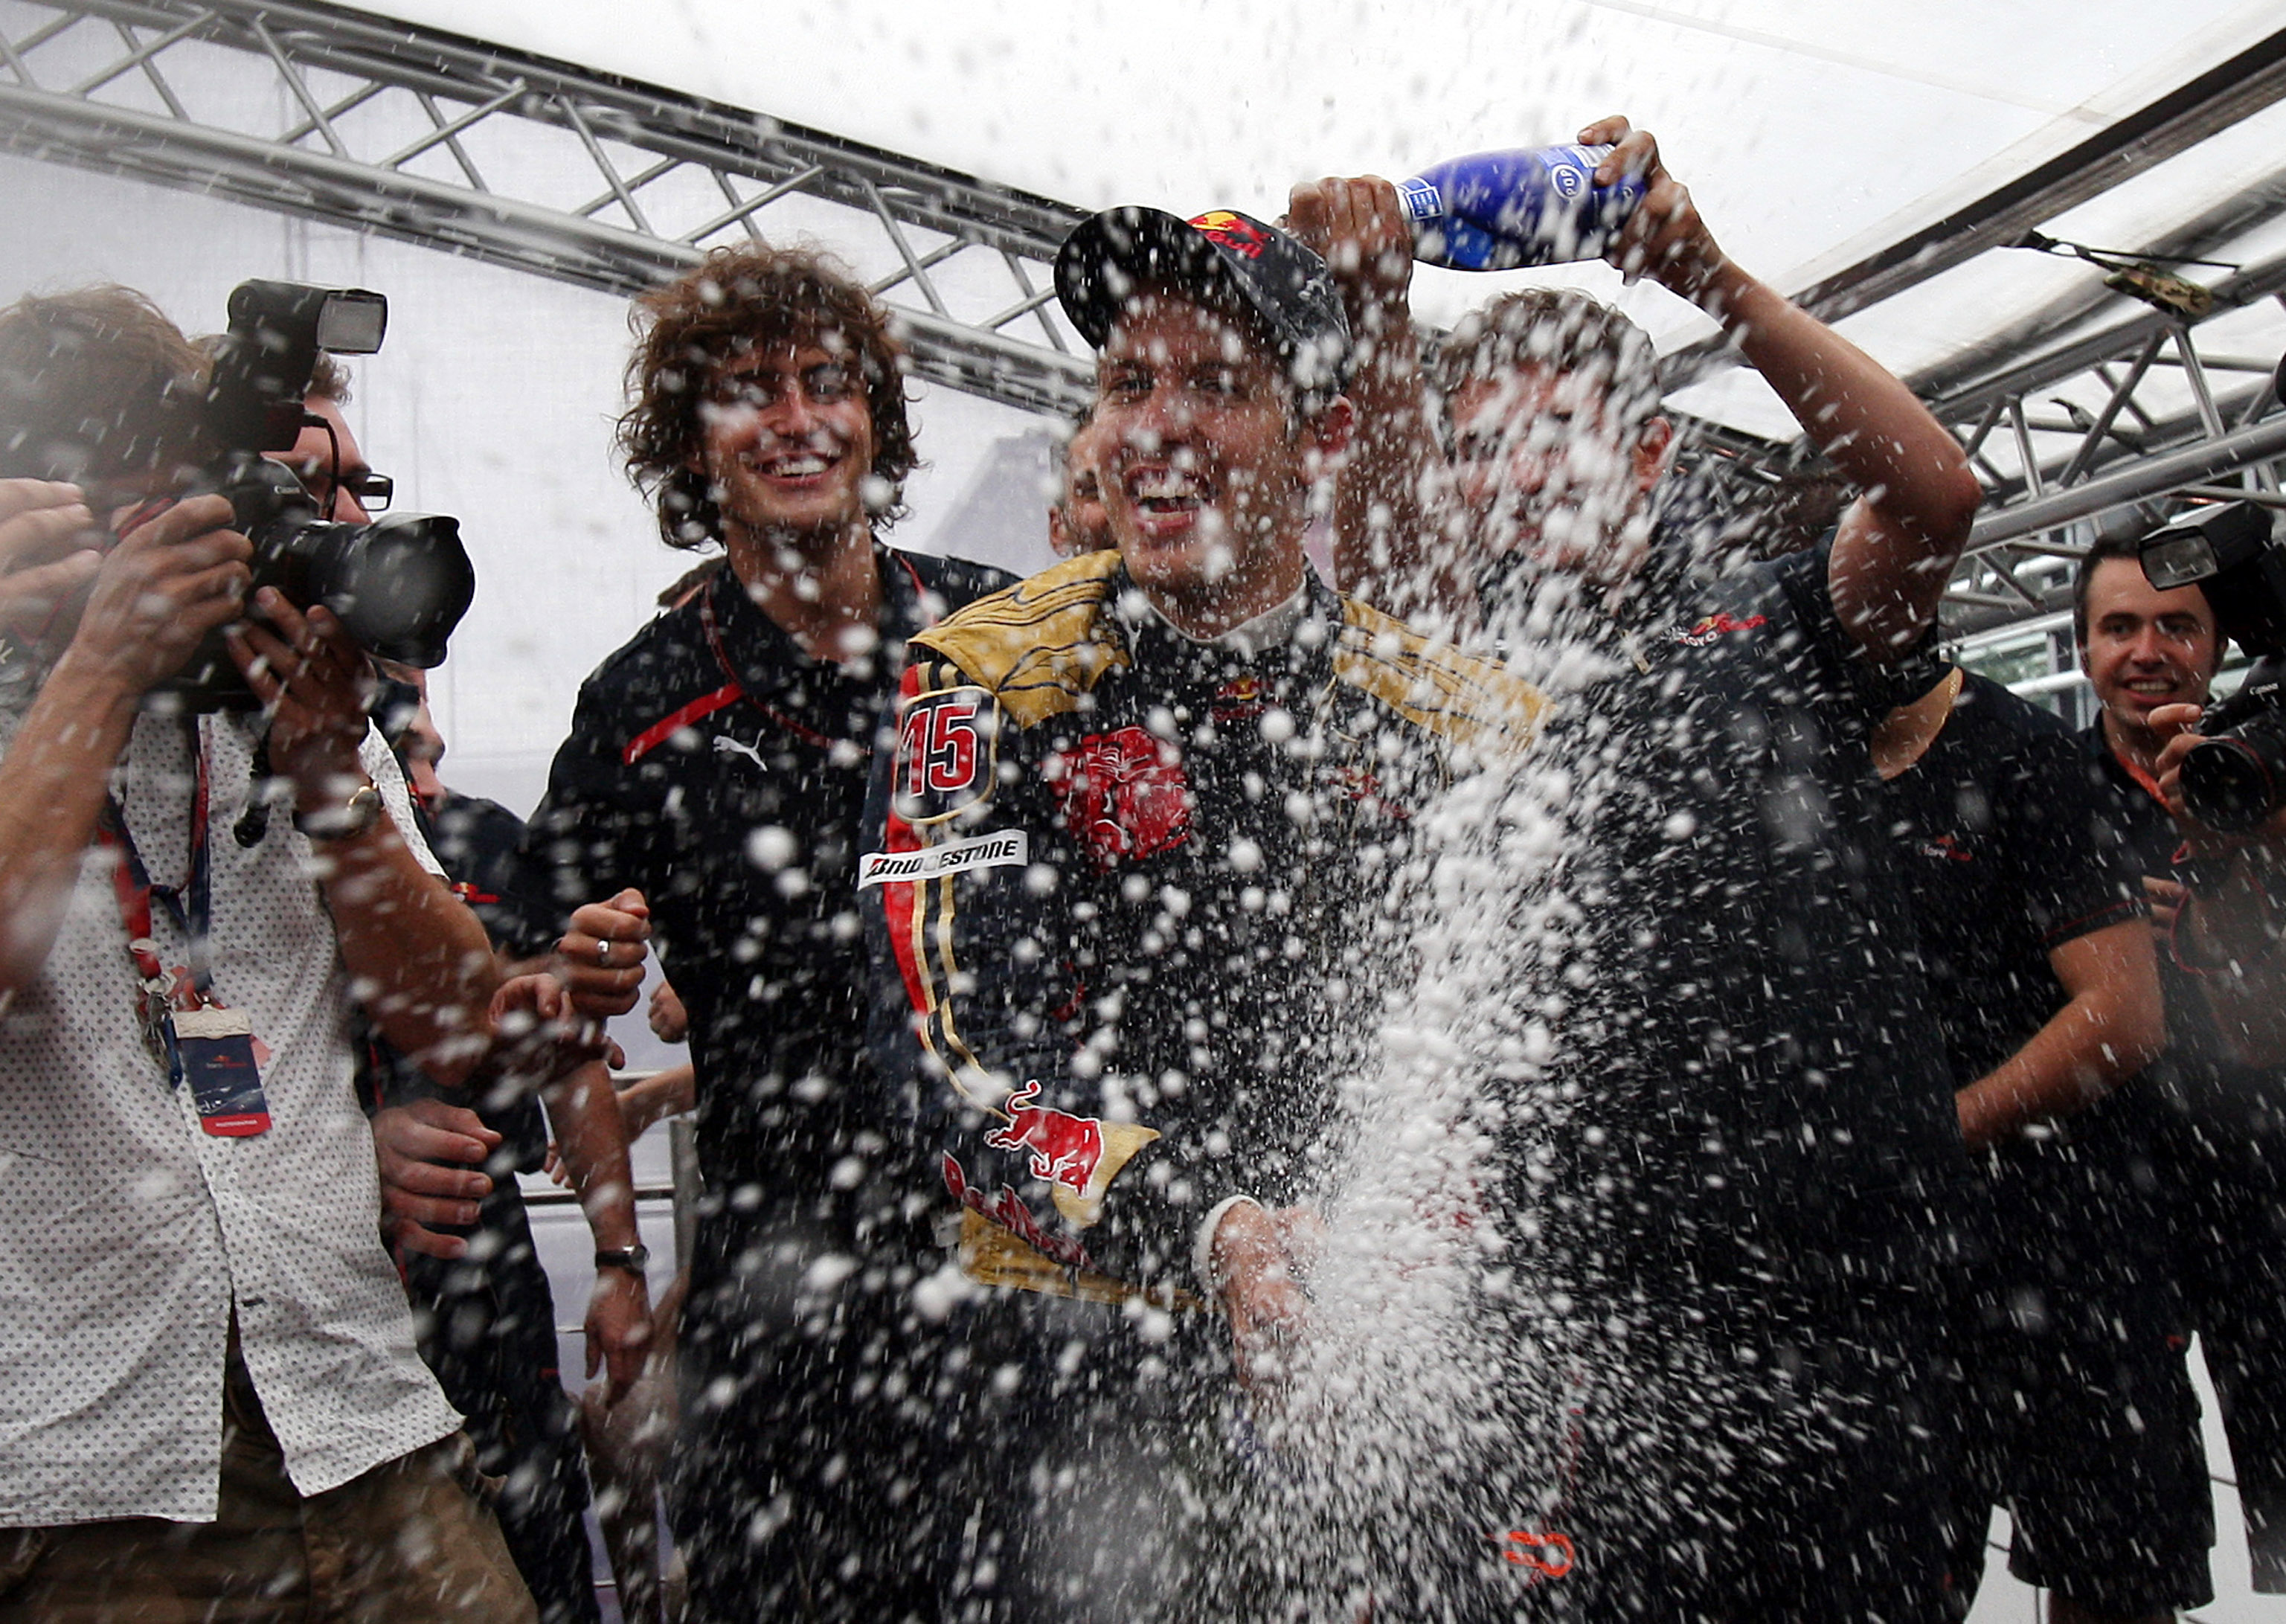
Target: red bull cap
(1218,253)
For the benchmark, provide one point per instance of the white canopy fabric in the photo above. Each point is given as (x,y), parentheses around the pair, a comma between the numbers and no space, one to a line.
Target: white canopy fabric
(1809,132)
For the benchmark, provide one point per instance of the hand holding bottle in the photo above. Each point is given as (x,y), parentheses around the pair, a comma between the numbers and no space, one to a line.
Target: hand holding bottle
(1664,239)
(1361,230)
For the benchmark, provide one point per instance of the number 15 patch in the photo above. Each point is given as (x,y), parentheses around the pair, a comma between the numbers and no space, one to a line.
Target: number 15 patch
(944,753)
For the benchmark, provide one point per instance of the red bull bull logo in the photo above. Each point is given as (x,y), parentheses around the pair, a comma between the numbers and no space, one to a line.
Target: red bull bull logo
(1235,232)
(1066,1149)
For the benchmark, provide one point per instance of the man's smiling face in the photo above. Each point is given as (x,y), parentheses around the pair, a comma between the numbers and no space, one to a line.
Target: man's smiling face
(789,439)
(1204,469)
(2146,648)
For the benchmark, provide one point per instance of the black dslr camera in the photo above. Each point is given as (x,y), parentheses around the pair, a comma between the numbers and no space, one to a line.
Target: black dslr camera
(401,584)
(2235,777)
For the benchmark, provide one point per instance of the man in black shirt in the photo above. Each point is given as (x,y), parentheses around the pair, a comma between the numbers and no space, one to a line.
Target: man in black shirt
(711,787)
(482,1307)
(1741,1153)
(2075,1406)
(2220,1155)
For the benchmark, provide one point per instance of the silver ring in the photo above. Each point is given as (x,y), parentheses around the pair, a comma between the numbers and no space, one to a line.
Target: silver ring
(603,955)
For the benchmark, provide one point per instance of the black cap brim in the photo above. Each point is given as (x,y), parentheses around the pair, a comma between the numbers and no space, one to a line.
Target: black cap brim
(1112,254)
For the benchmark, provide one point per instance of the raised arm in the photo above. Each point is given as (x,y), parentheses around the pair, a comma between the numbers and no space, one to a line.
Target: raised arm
(1392,496)
(169,582)
(1897,541)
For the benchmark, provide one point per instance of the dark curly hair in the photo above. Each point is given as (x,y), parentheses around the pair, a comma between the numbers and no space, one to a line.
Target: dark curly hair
(736,301)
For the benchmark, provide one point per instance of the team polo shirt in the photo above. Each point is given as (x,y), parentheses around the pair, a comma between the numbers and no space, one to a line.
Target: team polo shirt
(2010,852)
(1743,1030)
(719,770)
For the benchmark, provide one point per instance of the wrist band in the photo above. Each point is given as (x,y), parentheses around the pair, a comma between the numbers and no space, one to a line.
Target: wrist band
(1202,1243)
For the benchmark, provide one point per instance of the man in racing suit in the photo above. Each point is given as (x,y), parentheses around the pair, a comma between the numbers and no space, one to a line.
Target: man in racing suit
(1129,876)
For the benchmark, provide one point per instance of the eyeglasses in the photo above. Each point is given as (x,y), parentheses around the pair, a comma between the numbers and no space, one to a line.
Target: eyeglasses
(373,491)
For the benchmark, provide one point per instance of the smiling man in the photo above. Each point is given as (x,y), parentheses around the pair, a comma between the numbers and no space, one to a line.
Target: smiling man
(1132,890)
(2143,649)
(2208,1188)
(711,788)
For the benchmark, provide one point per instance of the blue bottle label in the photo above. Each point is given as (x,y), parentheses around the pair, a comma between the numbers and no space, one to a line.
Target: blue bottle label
(1422,198)
(1501,210)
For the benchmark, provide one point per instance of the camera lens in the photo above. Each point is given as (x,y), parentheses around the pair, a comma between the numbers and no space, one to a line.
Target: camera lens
(400,585)
(2231,783)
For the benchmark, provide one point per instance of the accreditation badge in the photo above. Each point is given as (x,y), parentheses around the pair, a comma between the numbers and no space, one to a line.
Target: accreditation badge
(215,1047)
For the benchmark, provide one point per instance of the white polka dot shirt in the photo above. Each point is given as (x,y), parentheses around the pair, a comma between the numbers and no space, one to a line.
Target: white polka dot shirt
(127,1231)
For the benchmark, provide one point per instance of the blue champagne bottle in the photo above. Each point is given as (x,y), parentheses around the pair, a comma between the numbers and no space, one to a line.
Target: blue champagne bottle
(1531,206)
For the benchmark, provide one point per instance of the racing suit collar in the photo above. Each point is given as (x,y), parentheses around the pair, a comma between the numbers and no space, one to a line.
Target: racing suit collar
(770,667)
(1273,628)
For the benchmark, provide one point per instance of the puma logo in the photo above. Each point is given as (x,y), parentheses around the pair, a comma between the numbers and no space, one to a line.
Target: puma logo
(725,745)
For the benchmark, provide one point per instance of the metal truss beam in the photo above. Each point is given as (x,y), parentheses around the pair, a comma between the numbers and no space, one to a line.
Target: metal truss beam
(412,132)
(2213,101)
(2122,417)
(2145,138)
(429,136)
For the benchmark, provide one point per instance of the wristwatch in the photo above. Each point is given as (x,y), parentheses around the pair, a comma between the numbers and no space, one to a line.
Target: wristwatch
(352,817)
(636,1257)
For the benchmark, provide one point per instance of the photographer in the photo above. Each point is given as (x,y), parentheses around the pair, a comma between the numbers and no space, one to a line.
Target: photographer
(2151,657)
(189,1197)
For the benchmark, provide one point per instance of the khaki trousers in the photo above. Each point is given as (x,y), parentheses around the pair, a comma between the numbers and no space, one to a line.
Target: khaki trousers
(412,1540)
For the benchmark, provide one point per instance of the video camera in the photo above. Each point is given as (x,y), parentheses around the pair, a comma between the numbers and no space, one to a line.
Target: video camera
(400,584)
(2235,777)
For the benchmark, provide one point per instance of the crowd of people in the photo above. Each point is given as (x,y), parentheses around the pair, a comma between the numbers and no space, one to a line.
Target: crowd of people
(1869,1086)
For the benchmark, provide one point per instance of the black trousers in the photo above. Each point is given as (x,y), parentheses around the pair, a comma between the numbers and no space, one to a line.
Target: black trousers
(487,1331)
(2229,1231)
(804,1482)
(1756,1453)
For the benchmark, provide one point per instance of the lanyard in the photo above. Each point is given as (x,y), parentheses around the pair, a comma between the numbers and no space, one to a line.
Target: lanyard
(191,908)
(2150,785)
(734,690)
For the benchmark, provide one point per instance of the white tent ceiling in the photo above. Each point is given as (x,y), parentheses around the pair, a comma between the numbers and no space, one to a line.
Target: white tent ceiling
(1811,131)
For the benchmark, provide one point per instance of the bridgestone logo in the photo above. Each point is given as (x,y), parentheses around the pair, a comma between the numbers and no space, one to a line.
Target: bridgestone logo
(984,851)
